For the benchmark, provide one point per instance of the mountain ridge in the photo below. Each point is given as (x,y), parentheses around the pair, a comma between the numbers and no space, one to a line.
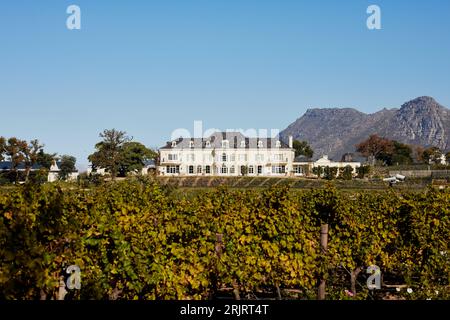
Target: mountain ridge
(336,131)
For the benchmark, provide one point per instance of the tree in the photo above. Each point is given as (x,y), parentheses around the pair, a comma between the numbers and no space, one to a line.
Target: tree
(432,155)
(346,173)
(31,152)
(302,148)
(14,150)
(362,171)
(330,173)
(2,148)
(67,166)
(45,159)
(133,155)
(108,154)
(375,147)
(400,154)
(447,157)
(318,171)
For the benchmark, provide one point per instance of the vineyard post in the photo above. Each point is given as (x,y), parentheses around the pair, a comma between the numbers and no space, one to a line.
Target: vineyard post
(218,250)
(324,248)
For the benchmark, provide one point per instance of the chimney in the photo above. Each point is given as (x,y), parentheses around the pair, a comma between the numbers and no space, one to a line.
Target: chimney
(291,142)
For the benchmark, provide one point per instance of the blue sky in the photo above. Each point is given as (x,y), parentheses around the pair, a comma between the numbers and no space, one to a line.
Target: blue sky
(149,67)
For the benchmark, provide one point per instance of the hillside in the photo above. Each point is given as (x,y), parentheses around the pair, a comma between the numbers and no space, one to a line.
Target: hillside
(421,121)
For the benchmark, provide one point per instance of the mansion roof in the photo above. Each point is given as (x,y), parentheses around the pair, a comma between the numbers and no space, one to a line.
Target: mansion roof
(235,140)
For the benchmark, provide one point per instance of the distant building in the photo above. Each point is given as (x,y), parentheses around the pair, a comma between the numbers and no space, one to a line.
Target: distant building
(304,166)
(226,154)
(53,173)
(347,157)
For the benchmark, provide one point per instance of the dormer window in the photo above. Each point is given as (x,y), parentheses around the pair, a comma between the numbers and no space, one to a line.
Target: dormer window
(208,144)
(225,144)
(243,144)
(278,144)
(174,144)
(191,144)
(260,144)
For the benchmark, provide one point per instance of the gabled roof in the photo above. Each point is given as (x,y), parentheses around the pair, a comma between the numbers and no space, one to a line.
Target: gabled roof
(7,165)
(234,139)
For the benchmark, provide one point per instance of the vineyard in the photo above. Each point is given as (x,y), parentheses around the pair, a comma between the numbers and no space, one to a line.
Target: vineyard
(135,240)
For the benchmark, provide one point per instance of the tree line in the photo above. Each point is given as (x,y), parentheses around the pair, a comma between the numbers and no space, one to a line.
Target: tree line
(119,155)
(27,155)
(391,152)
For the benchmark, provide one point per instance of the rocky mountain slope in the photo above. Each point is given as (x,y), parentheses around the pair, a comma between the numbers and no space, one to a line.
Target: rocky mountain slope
(421,121)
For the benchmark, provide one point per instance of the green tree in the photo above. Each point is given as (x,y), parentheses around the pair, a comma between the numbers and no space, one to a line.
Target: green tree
(133,155)
(30,153)
(45,159)
(108,153)
(302,148)
(2,148)
(14,150)
(67,166)
(432,155)
(363,171)
(318,171)
(400,154)
(346,173)
(330,173)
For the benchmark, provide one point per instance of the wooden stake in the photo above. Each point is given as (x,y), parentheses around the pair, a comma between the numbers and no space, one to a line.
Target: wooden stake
(324,248)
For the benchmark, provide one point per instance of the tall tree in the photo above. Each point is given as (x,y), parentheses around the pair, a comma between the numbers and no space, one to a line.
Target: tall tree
(432,155)
(45,159)
(133,156)
(400,154)
(375,147)
(2,148)
(14,150)
(31,152)
(302,148)
(108,154)
(67,166)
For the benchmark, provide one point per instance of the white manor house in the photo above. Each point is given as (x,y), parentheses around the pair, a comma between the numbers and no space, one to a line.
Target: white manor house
(233,154)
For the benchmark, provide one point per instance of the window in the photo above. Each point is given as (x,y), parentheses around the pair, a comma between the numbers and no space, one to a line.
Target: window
(225,144)
(232,170)
(243,144)
(191,169)
(298,170)
(278,144)
(224,170)
(208,169)
(251,170)
(199,169)
(278,169)
(278,157)
(259,157)
(191,144)
(208,144)
(173,169)
(232,157)
(224,157)
(174,144)
(260,144)
(190,157)
(242,157)
(259,169)
(173,157)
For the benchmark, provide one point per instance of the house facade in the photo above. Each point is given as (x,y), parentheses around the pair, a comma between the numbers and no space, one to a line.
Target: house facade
(226,154)
(53,173)
(304,167)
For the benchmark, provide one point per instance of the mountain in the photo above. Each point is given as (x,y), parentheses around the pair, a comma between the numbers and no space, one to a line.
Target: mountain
(421,121)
